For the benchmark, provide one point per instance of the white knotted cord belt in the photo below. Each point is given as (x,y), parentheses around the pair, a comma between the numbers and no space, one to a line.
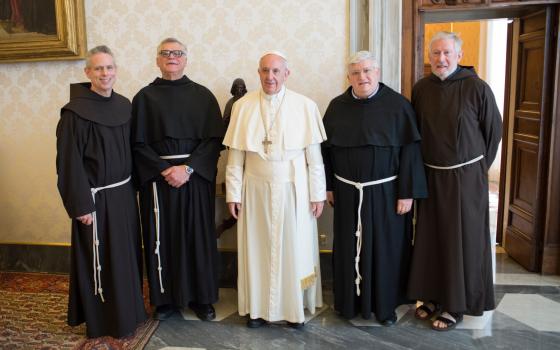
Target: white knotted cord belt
(95,240)
(157,220)
(360,186)
(474,160)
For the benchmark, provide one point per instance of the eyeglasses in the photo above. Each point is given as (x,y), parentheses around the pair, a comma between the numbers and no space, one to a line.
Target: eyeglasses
(172,53)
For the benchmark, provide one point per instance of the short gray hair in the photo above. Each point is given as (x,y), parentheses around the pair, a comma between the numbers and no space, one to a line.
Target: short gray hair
(447,36)
(360,56)
(171,40)
(96,50)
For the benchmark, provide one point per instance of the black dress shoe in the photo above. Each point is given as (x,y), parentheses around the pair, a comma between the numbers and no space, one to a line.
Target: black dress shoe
(390,321)
(205,312)
(296,325)
(255,322)
(163,312)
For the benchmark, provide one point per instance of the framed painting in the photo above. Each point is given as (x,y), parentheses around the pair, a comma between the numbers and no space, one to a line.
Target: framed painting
(42,30)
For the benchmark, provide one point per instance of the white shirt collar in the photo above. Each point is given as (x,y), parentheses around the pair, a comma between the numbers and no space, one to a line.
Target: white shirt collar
(370,96)
(275,97)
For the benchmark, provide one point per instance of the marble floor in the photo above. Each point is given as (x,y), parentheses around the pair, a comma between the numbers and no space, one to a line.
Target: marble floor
(527,317)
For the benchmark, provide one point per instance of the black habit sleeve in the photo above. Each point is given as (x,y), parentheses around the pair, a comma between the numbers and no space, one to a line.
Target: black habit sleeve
(326,152)
(73,183)
(412,180)
(490,124)
(205,157)
(147,163)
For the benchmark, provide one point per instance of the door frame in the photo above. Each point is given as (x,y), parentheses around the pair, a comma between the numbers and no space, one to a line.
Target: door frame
(412,56)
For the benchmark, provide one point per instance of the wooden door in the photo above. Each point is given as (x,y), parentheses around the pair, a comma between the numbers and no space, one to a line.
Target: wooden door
(529,129)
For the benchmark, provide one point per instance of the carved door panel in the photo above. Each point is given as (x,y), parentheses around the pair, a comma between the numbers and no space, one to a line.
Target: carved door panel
(532,69)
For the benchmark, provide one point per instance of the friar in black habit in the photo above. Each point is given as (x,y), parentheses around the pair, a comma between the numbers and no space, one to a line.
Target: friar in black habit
(94,165)
(177,133)
(374,171)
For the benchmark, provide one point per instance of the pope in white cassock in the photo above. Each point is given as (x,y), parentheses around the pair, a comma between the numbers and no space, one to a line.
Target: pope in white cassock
(275,186)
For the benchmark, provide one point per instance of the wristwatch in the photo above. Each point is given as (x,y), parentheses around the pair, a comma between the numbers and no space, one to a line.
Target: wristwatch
(189,170)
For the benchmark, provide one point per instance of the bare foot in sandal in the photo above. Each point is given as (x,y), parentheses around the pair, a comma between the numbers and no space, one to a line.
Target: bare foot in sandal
(426,310)
(446,321)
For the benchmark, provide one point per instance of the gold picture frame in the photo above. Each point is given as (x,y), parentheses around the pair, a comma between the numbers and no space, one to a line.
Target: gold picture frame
(65,40)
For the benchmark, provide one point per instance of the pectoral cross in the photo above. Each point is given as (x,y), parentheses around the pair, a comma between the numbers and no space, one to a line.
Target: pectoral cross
(266,142)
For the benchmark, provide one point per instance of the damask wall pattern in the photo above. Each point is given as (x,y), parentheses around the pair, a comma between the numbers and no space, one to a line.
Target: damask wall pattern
(224,39)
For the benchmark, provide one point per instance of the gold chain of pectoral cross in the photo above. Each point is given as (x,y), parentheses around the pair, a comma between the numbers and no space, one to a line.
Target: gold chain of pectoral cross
(267,142)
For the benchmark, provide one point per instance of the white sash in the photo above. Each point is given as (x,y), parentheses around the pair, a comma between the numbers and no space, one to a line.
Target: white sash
(360,187)
(95,240)
(175,156)
(474,160)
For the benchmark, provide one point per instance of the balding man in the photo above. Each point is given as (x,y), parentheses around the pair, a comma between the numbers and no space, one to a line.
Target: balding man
(275,186)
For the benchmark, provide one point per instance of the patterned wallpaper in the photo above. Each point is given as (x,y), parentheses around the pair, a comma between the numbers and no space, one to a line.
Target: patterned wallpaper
(224,38)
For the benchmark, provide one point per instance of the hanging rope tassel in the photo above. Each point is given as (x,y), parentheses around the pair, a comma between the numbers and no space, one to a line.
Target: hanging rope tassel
(96,261)
(158,242)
